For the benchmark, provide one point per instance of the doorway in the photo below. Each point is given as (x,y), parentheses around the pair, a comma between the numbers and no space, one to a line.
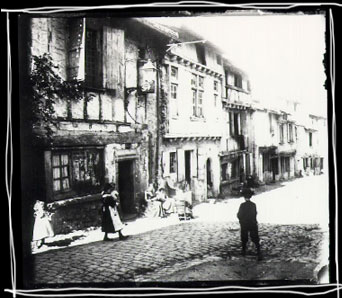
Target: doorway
(274,163)
(126,186)
(187,157)
(209,178)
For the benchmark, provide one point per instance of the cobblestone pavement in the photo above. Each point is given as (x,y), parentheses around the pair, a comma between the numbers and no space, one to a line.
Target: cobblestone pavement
(151,255)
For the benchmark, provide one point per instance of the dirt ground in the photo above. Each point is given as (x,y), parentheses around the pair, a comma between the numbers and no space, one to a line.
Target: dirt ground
(244,268)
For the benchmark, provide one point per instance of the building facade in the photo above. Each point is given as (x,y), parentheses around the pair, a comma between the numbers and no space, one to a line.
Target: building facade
(109,136)
(158,104)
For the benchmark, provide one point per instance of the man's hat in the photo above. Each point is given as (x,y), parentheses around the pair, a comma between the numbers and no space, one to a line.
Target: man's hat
(247,192)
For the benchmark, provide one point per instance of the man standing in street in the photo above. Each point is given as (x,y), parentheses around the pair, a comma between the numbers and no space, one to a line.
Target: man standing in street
(248,222)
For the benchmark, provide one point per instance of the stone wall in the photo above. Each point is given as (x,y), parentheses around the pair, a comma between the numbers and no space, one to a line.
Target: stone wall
(76,214)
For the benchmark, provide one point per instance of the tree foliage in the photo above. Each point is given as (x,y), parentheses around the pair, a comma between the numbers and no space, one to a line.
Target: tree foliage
(48,87)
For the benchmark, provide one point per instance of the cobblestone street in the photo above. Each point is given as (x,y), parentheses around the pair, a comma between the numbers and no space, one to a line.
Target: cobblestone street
(159,254)
(152,255)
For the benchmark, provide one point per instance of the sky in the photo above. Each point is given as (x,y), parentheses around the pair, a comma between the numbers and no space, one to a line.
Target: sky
(282,54)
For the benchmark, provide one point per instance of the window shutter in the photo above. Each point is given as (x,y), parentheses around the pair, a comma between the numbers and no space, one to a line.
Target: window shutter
(231,123)
(76,44)
(194,161)
(180,165)
(166,163)
(201,166)
(114,59)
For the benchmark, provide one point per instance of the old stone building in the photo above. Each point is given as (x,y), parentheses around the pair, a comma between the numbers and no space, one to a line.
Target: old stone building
(236,158)
(111,134)
(190,142)
(275,143)
(159,103)
(312,149)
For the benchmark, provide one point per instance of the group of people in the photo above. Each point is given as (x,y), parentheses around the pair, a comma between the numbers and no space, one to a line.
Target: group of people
(159,205)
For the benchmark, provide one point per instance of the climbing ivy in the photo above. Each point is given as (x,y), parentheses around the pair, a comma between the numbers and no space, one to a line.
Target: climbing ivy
(48,86)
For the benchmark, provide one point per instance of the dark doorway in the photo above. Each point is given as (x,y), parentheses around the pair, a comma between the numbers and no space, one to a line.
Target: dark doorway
(126,186)
(209,178)
(187,158)
(274,162)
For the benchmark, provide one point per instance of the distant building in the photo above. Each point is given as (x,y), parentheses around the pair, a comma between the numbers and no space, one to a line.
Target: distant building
(236,158)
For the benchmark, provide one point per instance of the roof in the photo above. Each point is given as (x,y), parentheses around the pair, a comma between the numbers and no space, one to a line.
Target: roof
(185,34)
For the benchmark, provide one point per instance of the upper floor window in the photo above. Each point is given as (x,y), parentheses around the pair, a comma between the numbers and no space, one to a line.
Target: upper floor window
(219,59)
(174,99)
(200,51)
(174,73)
(193,80)
(93,56)
(290,133)
(310,139)
(200,82)
(281,133)
(215,100)
(216,86)
(197,103)
(234,123)
(238,80)
(197,84)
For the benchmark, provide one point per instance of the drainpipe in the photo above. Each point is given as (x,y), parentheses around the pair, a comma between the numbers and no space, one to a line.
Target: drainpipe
(158,120)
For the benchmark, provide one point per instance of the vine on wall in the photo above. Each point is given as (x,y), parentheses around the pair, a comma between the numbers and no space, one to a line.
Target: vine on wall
(47,87)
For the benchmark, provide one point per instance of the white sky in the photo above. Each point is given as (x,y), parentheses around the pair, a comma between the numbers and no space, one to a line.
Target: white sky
(282,54)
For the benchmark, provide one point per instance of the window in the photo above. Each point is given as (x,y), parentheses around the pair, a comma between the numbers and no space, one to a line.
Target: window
(219,59)
(193,80)
(174,73)
(290,133)
(200,104)
(200,82)
(174,100)
(80,171)
(60,172)
(200,51)
(281,133)
(93,63)
(234,124)
(238,80)
(197,84)
(173,162)
(310,139)
(215,100)
(216,86)
(271,123)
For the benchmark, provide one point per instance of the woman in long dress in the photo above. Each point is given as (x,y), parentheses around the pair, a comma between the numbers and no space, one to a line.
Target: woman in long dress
(111,222)
(154,207)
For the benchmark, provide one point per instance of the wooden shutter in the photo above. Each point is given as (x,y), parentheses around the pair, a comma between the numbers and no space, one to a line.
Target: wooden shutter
(194,163)
(201,163)
(180,165)
(76,46)
(114,60)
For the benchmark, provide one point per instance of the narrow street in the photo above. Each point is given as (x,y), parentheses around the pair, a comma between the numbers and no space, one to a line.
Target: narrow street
(293,233)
